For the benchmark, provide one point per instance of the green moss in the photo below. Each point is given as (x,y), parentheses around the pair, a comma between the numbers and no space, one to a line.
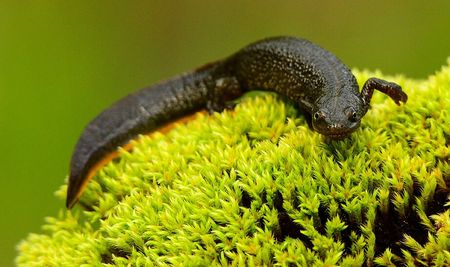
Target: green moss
(251,187)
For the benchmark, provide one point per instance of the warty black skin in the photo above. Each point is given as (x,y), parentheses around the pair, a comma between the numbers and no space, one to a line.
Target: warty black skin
(305,73)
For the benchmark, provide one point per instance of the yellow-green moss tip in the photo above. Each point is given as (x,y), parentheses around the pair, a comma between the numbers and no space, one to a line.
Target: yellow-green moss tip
(258,187)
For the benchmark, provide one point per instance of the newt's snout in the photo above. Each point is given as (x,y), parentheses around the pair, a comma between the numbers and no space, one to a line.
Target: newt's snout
(336,125)
(339,131)
(336,131)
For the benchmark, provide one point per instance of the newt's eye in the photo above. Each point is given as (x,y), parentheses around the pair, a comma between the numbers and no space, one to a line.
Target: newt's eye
(353,117)
(318,115)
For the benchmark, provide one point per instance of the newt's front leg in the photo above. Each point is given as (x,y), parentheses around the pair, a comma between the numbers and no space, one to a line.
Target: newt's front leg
(391,89)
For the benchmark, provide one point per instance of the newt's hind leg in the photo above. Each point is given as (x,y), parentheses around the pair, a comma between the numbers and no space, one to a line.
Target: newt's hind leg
(391,89)
(222,92)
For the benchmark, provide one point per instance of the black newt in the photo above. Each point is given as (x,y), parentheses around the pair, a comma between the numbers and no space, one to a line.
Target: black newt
(305,73)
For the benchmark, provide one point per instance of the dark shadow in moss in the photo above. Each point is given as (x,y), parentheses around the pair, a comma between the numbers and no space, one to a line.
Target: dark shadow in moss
(107,257)
(447,139)
(288,228)
(246,200)
(390,228)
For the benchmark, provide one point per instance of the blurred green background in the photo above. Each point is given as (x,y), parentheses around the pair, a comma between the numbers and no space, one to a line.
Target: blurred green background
(62,62)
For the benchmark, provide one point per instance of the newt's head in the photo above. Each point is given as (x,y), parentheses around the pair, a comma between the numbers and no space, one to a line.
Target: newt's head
(338,117)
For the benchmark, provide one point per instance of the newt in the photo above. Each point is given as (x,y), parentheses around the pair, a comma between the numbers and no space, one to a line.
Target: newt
(310,76)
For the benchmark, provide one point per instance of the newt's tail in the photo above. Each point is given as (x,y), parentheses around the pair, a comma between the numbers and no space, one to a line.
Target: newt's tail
(139,113)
